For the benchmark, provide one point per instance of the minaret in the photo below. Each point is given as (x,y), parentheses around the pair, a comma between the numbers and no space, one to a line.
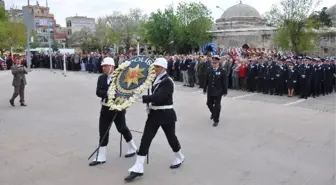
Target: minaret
(28,3)
(47,3)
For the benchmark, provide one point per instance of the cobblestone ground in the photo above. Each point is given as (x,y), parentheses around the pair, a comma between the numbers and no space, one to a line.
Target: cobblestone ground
(261,139)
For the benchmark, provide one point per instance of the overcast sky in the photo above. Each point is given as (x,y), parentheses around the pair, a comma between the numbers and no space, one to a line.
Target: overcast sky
(96,8)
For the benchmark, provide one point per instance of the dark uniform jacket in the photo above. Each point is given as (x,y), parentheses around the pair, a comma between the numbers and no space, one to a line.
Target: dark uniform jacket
(162,95)
(215,82)
(102,88)
(201,68)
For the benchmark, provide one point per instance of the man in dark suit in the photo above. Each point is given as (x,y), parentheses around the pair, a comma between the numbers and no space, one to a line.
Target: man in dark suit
(19,72)
(160,114)
(107,115)
(215,87)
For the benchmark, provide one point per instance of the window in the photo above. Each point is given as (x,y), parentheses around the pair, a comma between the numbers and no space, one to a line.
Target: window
(42,11)
(69,24)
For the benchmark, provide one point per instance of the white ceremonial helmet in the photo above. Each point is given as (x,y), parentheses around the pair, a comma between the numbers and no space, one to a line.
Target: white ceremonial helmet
(162,62)
(108,61)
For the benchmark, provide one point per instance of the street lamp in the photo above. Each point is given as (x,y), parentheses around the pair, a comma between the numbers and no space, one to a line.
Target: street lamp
(138,45)
(220,8)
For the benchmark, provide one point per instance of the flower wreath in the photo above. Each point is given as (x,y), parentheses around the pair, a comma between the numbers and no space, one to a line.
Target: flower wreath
(118,103)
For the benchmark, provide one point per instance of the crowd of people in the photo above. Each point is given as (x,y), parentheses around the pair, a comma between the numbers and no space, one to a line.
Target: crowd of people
(301,75)
(74,62)
(274,75)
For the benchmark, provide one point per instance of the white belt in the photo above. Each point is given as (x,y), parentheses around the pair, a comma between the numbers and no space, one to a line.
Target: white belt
(105,104)
(161,107)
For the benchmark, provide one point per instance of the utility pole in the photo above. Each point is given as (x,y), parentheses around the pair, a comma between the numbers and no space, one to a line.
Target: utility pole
(29,22)
(50,49)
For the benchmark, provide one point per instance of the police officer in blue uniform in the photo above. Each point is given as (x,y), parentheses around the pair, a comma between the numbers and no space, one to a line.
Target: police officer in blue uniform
(215,87)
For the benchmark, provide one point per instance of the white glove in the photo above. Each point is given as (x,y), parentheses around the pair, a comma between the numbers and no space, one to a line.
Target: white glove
(147,110)
(294,81)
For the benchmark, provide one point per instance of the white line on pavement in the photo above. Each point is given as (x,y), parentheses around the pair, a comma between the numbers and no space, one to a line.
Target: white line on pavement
(294,102)
(243,96)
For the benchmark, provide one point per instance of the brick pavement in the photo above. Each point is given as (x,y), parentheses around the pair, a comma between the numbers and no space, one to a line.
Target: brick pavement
(261,139)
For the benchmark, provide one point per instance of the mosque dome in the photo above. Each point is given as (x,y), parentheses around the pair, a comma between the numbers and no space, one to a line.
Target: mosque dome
(332,12)
(240,16)
(240,10)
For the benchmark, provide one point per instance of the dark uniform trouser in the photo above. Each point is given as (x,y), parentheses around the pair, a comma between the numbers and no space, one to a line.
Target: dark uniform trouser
(305,87)
(214,105)
(201,79)
(272,86)
(105,120)
(260,84)
(19,90)
(329,84)
(280,86)
(315,87)
(150,132)
(191,78)
(323,87)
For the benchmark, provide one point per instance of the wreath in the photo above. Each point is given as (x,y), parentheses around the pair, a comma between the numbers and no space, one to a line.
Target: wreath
(121,95)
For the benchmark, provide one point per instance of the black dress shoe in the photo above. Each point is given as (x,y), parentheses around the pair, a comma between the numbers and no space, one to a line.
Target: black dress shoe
(215,123)
(132,176)
(95,163)
(23,105)
(11,103)
(130,155)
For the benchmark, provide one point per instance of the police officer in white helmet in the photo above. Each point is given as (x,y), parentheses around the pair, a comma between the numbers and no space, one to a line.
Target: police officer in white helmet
(161,114)
(107,115)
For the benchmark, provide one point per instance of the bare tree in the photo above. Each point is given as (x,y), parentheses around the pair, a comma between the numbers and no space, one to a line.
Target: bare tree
(127,25)
(294,28)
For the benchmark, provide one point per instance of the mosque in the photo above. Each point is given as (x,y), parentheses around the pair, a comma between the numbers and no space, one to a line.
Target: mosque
(242,24)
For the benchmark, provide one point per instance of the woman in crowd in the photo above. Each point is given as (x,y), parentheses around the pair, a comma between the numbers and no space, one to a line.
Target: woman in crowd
(291,78)
(242,75)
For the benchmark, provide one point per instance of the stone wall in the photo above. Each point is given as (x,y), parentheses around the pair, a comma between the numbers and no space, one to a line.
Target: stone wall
(259,38)
(239,22)
(326,47)
(255,38)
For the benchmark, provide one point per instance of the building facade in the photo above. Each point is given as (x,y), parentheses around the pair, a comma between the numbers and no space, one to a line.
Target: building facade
(242,24)
(77,23)
(15,15)
(45,24)
(332,12)
(60,35)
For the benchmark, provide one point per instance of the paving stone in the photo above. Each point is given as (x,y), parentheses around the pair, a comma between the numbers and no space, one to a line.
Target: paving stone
(261,139)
